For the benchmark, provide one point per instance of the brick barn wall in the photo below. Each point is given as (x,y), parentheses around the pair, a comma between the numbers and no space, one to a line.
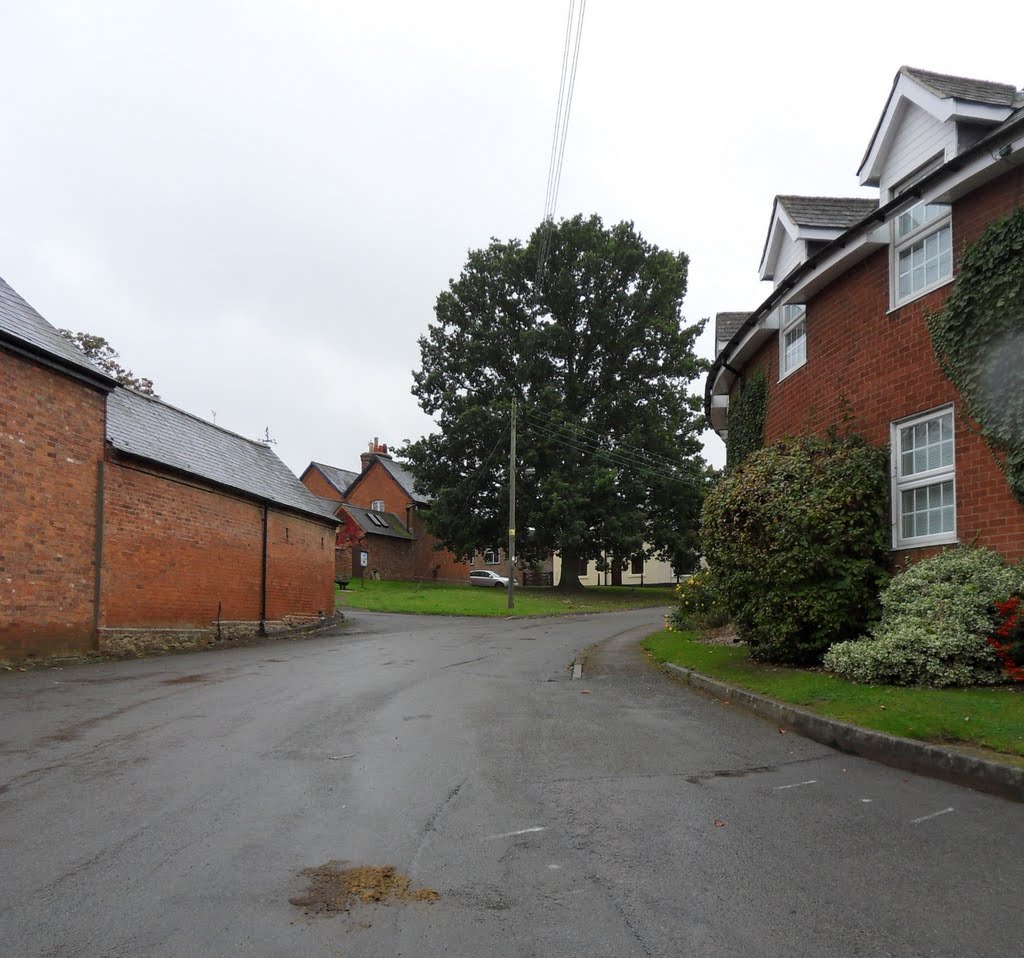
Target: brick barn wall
(315,482)
(300,566)
(51,440)
(173,552)
(882,364)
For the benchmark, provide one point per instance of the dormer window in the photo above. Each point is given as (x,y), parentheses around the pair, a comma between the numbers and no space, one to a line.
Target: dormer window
(377,505)
(792,339)
(922,251)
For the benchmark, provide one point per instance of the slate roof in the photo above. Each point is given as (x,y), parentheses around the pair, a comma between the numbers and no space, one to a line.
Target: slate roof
(962,88)
(151,429)
(341,479)
(728,324)
(21,322)
(395,526)
(405,479)
(836,212)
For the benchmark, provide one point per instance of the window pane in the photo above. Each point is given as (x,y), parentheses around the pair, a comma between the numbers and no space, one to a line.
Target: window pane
(926,262)
(927,445)
(928,511)
(795,343)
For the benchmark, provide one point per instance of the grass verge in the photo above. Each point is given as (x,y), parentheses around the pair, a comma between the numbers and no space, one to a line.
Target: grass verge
(446,599)
(983,718)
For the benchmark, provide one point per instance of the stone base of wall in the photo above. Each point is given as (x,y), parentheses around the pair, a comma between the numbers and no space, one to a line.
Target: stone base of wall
(131,643)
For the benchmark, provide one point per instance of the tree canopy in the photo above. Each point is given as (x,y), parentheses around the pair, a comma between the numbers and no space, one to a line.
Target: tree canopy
(591,346)
(106,357)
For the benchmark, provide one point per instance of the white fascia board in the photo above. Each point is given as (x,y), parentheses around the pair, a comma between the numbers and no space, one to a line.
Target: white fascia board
(978,112)
(815,233)
(719,411)
(838,263)
(751,343)
(985,166)
(781,225)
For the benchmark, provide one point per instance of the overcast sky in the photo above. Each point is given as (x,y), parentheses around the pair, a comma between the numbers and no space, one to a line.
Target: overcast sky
(257,203)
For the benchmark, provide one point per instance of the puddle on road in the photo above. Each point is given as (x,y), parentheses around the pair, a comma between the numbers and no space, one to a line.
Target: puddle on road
(184,680)
(333,889)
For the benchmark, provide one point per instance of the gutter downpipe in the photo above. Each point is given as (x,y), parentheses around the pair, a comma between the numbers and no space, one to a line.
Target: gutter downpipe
(263,577)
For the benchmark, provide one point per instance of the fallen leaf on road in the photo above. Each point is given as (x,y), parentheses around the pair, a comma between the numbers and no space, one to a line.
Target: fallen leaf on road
(719,823)
(585,692)
(782,731)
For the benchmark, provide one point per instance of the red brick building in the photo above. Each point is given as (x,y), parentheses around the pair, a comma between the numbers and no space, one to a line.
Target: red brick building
(128,523)
(382,512)
(842,337)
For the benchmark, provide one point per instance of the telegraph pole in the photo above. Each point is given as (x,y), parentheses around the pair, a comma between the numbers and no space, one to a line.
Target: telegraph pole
(512,511)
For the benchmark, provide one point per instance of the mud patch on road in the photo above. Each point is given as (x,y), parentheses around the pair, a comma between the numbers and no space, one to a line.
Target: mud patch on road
(333,889)
(184,680)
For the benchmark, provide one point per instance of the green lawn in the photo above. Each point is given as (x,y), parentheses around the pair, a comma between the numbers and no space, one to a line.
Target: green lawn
(987,718)
(442,599)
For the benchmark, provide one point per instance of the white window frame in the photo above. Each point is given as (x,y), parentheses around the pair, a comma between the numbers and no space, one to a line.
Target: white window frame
(377,505)
(792,318)
(919,480)
(492,556)
(935,219)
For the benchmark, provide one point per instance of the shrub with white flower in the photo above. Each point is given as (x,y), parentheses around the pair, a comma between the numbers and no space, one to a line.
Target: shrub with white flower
(936,619)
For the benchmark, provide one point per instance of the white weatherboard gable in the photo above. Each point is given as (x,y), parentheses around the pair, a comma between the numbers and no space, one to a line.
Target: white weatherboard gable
(917,124)
(786,246)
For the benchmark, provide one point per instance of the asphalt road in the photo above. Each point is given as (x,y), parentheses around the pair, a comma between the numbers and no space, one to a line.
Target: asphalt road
(166,808)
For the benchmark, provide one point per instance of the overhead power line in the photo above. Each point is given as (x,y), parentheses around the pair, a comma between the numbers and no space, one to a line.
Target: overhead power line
(595,440)
(619,457)
(566,88)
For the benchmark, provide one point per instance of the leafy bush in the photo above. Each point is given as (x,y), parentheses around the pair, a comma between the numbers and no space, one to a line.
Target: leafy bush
(798,538)
(700,604)
(936,619)
(1008,636)
(746,419)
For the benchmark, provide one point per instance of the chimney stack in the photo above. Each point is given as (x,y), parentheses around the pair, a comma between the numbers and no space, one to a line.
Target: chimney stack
(375,449)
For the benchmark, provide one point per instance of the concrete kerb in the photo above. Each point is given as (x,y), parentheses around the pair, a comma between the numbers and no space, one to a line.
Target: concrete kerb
(1007,781)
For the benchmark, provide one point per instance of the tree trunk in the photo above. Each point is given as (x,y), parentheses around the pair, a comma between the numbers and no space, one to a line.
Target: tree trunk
(569,581)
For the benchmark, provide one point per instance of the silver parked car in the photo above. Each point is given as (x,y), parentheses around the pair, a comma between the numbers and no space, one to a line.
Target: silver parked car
(484,577)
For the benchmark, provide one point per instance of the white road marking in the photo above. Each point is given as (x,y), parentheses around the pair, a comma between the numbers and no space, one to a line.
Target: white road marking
(925,818)
(813,781)
(554,868)
(577,670)
(522,831)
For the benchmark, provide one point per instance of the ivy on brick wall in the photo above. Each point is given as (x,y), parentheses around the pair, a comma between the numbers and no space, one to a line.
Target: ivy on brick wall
(746,420)
(978,338)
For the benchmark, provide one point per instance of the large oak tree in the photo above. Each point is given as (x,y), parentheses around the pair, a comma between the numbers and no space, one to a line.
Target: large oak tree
(588,338)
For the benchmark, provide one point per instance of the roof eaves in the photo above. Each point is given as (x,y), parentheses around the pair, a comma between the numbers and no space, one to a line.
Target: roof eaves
(880,215)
